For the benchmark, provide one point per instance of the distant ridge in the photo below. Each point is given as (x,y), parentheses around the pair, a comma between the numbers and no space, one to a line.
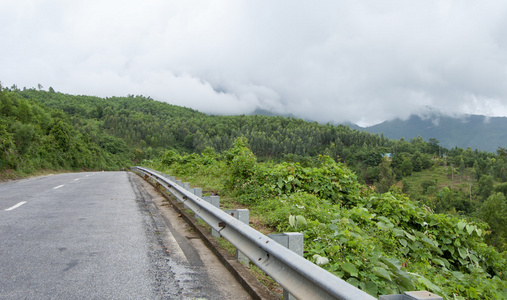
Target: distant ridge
(474,131)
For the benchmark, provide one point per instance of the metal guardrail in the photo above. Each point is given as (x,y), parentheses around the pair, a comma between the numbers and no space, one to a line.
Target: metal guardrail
(302,278)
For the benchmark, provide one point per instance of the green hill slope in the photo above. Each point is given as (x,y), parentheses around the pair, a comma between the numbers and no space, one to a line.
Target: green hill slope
(35,137)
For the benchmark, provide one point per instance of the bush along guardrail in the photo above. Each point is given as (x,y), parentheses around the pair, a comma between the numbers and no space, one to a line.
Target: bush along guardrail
(298,276)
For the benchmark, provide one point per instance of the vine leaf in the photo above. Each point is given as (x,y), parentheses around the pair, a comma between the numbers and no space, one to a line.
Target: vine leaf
(470,229)
(292,221)
(463,253)
(371,288)
(461,225)
(350,268)
(382,273)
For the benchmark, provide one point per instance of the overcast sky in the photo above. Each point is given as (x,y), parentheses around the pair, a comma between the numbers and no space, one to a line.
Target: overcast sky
(357,61)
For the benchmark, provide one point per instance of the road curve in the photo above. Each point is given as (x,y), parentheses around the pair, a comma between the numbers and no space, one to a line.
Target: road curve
(93,236)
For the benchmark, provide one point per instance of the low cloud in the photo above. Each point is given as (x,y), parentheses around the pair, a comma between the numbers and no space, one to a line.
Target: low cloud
(361,62)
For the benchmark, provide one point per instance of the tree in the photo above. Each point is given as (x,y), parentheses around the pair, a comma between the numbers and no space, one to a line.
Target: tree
(23,136)
(417,161)
(461,167)
(406,186)
(6,148)
(433,147)
(61,132)
(406,167)
(485,187)
(427,185)
(242,162)
(501,188)
(494,212)
(387,177)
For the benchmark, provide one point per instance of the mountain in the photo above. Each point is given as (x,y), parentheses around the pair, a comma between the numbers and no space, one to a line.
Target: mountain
(474,131)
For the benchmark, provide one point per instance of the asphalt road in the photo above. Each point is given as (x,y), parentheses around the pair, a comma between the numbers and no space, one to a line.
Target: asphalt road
(95,236)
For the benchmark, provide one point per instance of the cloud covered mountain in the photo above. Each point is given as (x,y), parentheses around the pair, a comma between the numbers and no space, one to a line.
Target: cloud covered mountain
(474,131)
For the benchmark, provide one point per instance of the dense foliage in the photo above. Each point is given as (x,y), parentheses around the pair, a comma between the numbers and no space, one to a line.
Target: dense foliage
(382,243)
(35,137)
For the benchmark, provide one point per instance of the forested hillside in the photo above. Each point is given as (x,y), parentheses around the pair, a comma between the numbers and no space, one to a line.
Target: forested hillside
(34,137)
(333,171)
(150,127)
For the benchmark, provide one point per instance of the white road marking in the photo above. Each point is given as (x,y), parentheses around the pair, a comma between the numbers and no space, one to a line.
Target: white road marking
(16,206)
(76,179)
(57,187)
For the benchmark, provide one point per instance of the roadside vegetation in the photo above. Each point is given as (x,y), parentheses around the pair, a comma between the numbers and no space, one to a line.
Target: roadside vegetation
(383,243)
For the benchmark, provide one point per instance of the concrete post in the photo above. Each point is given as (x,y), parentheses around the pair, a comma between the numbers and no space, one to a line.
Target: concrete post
(172,178)
(215,201)
(244,216)
(178,182)
(197,192)
(186,186)
(293,241)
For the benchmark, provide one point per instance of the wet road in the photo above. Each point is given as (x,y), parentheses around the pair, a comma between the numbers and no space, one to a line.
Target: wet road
(93,236)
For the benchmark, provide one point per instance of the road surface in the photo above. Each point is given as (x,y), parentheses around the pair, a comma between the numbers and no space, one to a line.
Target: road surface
(99,236)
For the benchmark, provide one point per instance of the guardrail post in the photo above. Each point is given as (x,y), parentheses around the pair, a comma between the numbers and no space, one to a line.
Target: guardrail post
(186,186)
(418,295)
(293,241)
(178,182)
(215,201)
(197,192)
(244,216)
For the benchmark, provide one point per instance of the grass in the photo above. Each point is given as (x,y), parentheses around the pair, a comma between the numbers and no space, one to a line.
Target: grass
(441,175)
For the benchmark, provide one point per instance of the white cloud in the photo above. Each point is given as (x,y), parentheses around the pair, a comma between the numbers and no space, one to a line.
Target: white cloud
(330,61)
